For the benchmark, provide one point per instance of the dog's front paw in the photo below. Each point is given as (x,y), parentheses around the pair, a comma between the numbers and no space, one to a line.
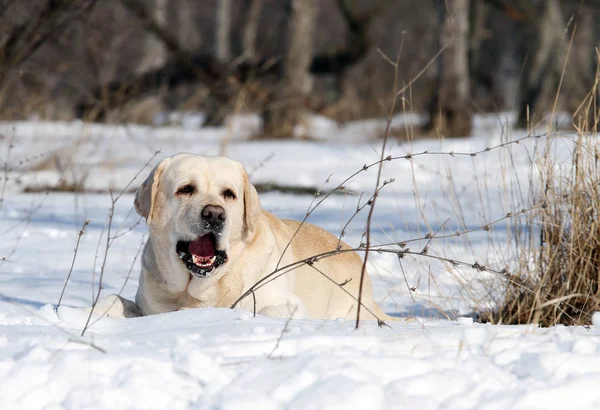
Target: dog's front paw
(116,306)
(292,308)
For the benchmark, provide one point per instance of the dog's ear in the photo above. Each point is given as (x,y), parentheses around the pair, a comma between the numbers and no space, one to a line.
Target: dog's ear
(252,207)
(145,196)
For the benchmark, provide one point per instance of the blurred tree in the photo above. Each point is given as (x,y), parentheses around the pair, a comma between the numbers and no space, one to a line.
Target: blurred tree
(548,44)
(285,108)
(544,35)
(187,28)
(223,42)
(251,16)
(580,91)
(450,112)
(218,101)
(223,78)
(155,53)
(124,53)
(45,20)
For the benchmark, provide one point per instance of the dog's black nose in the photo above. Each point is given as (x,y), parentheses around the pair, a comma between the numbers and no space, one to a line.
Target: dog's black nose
(213,214)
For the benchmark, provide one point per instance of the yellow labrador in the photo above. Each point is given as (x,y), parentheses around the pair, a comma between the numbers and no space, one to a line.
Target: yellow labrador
(210,241)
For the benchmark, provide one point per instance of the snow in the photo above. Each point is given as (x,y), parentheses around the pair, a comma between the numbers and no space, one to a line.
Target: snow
(228,359)
(219,358)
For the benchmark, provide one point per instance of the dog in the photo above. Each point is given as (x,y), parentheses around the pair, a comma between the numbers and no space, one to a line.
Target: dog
(210,241)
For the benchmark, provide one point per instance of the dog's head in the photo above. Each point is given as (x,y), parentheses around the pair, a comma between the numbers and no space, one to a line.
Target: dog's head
(200,208)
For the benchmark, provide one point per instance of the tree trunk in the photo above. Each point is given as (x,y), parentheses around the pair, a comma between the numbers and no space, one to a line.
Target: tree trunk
(184,67)
(48,21)
(217,104)
(285,109)
(187,27)
(223,41)
(477,32)
(543,51)
(155,52)
(450,114)
(252,9)
(577,92)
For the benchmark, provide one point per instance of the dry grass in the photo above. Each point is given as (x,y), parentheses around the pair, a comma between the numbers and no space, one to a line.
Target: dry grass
(563,267)
(561,261)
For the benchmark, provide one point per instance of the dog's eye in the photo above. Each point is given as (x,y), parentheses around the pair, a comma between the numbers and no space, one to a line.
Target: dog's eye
(229,194)
(187,189)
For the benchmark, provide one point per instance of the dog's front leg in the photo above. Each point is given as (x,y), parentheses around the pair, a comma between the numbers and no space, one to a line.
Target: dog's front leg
(291,308)
(116,306)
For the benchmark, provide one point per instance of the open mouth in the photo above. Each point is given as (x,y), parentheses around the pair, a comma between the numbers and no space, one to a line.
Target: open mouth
(201,256)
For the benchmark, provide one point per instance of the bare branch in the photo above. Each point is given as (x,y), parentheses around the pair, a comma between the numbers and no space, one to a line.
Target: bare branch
(399,248)
(81,232)
(110,239)
(388,125)
(133,264)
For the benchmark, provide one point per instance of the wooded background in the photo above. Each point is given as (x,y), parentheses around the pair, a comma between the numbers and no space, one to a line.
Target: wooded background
(128,60)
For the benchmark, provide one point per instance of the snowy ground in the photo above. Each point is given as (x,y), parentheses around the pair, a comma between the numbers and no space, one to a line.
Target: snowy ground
(221,358)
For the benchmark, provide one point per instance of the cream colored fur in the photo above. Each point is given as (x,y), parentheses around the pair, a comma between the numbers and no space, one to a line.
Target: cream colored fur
(254,241)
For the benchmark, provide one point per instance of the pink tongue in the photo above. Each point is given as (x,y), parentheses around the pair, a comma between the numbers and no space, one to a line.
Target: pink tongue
(203,247)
